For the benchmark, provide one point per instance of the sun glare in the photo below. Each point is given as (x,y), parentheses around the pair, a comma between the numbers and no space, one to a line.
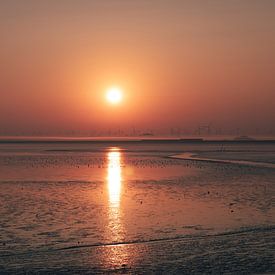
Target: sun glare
(114,95)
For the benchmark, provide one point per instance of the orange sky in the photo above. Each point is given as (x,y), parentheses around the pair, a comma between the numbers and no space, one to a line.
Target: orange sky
(180,64)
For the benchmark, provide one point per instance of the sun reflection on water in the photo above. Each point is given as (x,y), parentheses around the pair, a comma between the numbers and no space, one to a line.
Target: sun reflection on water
(114,184)
(114,177)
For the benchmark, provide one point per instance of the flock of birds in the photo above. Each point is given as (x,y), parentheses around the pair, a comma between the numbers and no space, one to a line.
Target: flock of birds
(102,162)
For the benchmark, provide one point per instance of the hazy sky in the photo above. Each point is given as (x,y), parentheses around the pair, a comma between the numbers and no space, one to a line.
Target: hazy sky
(180,64)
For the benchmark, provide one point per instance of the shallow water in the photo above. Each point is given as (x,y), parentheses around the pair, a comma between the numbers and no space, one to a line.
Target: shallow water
(103,208)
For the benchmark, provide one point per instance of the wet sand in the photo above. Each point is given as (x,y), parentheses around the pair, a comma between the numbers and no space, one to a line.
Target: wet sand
(237,158)
(130,209)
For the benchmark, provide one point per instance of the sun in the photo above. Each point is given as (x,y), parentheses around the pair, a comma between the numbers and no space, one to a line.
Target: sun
(114,95)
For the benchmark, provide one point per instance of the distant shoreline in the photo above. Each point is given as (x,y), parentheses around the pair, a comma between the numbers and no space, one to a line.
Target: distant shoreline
(116,140)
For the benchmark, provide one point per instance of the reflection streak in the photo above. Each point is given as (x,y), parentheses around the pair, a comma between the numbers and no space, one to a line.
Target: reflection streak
(114,184)
(114,177)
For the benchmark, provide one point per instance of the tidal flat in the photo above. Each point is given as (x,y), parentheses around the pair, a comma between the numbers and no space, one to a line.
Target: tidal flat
(127,207)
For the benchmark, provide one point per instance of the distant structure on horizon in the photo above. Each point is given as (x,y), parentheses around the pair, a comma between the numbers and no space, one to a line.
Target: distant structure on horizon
(243,138)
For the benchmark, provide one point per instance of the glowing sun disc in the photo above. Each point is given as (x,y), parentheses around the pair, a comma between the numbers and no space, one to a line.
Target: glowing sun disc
(114,95)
